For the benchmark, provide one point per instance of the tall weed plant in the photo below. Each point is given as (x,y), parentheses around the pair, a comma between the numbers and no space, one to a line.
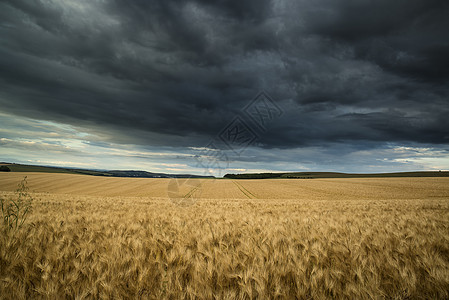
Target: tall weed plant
(16,208)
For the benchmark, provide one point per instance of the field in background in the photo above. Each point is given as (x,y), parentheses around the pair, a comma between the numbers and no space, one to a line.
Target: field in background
(241,239)
(306,189)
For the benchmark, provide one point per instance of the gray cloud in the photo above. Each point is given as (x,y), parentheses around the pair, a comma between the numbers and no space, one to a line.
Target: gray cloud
(171,73)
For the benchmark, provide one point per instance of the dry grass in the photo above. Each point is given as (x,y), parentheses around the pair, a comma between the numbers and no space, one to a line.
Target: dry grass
(286,239)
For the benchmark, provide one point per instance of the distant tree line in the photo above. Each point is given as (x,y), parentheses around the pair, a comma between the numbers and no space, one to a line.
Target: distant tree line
(4,169)
(312,175)
(254,176)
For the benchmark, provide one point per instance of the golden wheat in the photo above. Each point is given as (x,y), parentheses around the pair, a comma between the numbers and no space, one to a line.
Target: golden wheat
(106,238)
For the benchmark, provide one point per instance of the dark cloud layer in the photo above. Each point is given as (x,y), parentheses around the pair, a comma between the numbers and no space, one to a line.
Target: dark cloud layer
(174,73)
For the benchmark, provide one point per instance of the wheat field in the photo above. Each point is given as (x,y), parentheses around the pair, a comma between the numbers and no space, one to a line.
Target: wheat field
(118,238)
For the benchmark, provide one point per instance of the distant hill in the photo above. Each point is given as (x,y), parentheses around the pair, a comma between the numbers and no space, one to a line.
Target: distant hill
(109,173)
(312,175)
(144,174)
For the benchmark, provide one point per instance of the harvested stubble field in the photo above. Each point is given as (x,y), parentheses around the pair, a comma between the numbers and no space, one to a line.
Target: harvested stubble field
(97,237)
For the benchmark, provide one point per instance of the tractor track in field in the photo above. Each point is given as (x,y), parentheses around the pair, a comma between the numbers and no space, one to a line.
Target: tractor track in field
(245,191)
(192,191)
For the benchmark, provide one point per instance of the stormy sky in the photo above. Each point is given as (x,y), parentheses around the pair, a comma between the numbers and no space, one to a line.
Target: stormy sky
(225,86)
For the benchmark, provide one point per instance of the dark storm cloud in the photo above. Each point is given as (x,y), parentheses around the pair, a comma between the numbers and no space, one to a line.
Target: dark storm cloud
(404,37)
(175,73)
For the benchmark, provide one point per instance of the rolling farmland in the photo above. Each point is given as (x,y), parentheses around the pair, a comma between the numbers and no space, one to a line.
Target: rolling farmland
(100,237)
